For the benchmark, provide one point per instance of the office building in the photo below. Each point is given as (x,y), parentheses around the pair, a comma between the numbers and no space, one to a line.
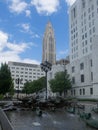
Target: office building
(83,30)
(24,72)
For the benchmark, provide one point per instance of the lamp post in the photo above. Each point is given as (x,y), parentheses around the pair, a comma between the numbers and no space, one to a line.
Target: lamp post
(18,82)
(46,66)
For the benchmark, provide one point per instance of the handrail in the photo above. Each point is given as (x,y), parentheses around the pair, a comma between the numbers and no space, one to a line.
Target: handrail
(5,123)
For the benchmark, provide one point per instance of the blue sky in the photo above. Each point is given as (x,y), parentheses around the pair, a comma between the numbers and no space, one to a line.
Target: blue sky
(23,23)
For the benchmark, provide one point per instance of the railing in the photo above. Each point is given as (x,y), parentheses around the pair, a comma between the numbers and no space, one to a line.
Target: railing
(5,123)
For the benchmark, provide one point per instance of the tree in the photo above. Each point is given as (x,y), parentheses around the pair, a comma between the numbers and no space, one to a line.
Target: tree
(61,82)
(38,85)
(5,79)
(11,90)
(34,86)
(27,88)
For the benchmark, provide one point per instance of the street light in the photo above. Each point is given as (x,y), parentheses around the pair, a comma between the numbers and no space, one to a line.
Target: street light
(46,66)
(18,82)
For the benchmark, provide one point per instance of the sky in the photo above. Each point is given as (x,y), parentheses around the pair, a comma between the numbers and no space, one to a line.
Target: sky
(22,26)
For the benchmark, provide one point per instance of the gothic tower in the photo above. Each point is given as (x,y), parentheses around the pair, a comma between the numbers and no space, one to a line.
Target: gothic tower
(49,51)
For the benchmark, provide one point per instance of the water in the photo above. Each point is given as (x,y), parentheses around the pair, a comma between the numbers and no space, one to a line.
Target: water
(59,120)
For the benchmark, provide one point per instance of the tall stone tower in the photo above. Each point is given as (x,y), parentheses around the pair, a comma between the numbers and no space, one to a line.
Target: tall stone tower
(49,51)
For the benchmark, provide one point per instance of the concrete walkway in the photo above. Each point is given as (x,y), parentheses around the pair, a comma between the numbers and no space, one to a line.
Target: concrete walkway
(5,123)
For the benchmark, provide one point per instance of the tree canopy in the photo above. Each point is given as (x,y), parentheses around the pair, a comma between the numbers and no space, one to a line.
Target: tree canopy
(6,82)
(34,86)
(61,82)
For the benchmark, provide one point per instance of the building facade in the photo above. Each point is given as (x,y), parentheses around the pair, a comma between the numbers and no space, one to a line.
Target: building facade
(49,50)
(24,72)
(83,18)
(51,75)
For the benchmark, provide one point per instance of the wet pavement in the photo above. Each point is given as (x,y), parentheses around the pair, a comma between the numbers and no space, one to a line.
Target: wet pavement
(59,120)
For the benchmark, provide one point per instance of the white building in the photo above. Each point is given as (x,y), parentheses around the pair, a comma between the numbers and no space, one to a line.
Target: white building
(83,30)
(83,67)
(51,75)
(25,72)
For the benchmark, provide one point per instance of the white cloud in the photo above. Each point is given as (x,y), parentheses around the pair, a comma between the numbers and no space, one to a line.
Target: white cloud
(11,51)
(18,6)
(35,35)
(64,52)
(26,60)
(3,40)
(26,27)
(45,6)
(28,13)
(17,47)
(70,2)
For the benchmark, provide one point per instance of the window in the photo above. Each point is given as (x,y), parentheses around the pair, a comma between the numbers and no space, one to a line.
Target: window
(82,37)
(81,66)
(85,35)
(82,78)
(93,29)
(92,7)
(91,76)
(91,39)
(86,50)
(80,91)
(74,92)
(73,13)
(89,24)
(89,17)
(71,92)
(97,2)
(73,69)
(13,67)
(88,10)
(83,91)
(91,63)
(91,91)
(73,80)
(83,3)
(90,47)
(90,31)
(92,14)
(85,42)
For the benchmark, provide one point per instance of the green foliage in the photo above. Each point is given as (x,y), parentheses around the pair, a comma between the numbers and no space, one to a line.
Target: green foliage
(34,86)
(61,82)
(1,96)
(5,79)
(27,87)
(11,90)
(88,99)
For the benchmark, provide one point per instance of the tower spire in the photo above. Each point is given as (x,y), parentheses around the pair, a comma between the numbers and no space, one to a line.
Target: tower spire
(49,51)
